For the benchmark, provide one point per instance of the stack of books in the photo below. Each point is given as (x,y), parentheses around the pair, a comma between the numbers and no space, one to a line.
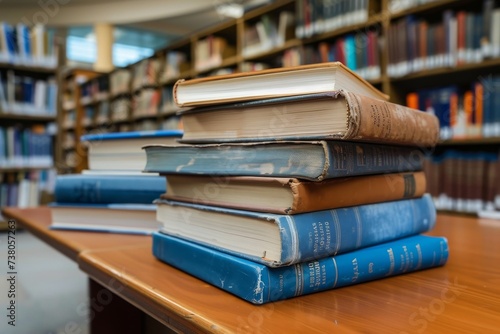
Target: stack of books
(294,181)
(113,195)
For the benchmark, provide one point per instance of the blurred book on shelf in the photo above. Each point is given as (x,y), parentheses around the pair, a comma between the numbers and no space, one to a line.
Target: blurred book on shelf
(27,95)
(22,45)
(463,111)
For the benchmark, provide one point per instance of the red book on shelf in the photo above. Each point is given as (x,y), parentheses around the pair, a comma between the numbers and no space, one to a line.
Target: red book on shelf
(422,30)
(461,47)
(339,44)
(370,47)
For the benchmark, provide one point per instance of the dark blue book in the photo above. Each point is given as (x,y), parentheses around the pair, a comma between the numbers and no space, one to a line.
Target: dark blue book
(10,39)
(310,160)
(496,104)
(279,240)
(259,284)
(104,189)
(488,106)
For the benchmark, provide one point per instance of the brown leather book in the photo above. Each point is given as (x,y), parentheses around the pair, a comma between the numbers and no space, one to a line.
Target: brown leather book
(276,82)
(290,195)
(339,115)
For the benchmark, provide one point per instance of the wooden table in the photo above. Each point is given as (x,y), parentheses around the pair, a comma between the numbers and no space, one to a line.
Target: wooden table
(463,296)
(70,243)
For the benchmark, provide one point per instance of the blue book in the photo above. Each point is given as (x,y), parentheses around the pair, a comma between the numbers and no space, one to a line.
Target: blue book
(10,38)
(488,106)
(132,135)
(310,160)
(114,218)
(496,104)
(279,240)
(350,52)
(259,284)
(103,189)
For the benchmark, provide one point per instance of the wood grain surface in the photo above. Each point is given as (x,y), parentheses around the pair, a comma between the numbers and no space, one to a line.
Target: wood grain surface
(463,296)
(70,243)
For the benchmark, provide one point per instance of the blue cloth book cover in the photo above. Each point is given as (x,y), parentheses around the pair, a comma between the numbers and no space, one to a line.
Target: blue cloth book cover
(259,284)
(103,189)
(279,240)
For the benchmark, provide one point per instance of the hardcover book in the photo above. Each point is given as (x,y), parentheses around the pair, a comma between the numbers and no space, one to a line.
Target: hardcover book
(276,82)
(259,284)
(104,189)
(290,195)
(278,240)
(337,115)
(122,151)
(310,160)
(115,218)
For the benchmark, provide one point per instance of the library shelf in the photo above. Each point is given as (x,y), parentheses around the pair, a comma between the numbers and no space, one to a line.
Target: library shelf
(487,64)
(29,68)
(470,141)
(27,117)
(427,7)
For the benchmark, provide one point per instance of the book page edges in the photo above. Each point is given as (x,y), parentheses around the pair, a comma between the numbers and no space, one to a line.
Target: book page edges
(385,122)
(335,65)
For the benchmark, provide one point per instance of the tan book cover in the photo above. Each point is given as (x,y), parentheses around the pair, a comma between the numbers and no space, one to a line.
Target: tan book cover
(290,195)
(339,115)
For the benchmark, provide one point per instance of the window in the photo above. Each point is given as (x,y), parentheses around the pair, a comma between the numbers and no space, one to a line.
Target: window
(131,45)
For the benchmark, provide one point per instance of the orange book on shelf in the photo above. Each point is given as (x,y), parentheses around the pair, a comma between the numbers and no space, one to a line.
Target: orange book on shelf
(469,111)
(478,104)
(468,106)
(412,100)
(323,51)
(453,109)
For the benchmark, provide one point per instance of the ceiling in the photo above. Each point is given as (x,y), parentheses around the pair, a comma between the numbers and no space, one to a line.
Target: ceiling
(173,18)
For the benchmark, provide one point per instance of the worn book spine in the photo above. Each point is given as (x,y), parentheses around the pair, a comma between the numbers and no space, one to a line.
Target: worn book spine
(314,235)
(310,160)
(259,284)
(350,159)
(351,191)
(380,121)
(104,189)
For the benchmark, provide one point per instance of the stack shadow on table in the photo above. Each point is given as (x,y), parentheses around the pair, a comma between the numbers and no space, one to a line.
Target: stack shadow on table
(280,192)
(114,194)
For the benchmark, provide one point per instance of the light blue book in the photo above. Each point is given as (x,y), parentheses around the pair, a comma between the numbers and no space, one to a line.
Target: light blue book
(310,160)
(279,240)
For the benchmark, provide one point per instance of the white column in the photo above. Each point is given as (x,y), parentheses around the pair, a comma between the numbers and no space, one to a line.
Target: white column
(104,43)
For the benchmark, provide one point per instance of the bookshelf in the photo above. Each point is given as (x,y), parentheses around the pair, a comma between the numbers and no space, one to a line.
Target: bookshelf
(404,48)
(71,119)
(28,111)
